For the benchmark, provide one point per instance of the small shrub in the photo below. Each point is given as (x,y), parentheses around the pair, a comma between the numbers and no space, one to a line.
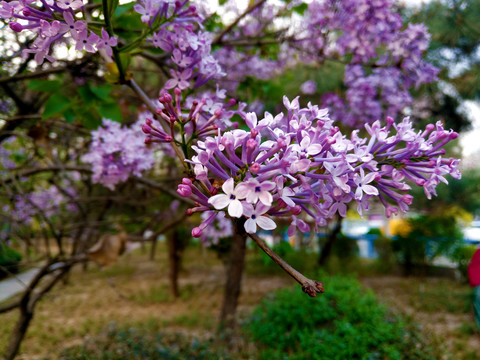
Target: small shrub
(344,323)
(133,344)
(9,260)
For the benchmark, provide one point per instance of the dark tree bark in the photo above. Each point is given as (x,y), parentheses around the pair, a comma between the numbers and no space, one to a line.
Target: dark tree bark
(233,284)
(33,293)
(174,257)
(332,236)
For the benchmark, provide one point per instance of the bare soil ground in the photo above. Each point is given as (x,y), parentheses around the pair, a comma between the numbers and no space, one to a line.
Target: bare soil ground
(134,292)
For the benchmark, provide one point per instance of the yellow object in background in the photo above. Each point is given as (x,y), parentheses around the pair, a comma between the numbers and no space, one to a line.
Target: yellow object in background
(399,227)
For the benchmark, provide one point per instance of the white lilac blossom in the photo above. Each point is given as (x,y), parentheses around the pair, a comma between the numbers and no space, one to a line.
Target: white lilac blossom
(117,152)
(300,162)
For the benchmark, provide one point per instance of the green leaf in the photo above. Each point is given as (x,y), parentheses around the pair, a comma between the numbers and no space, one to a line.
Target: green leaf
(56,104)
(69,115)
(122,9)
(51,86)
(110,111)
(87,95)
(300,9)
(89,118)
(102,92)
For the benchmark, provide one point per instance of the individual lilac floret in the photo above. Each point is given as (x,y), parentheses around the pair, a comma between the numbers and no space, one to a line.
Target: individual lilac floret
(229,199)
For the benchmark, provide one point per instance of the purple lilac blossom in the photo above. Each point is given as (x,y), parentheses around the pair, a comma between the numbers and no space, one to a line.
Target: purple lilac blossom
(41,202)
(116,153)
(308,87)
(56,21)
(299,162)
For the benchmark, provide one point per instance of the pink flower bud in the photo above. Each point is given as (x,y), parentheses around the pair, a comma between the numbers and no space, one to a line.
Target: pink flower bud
(296,210)
(407,199)
(167,97)
(148,140)
(26,12)
(196,232)
(251,144)
(453,135)
(190,212)
(232,102)
(184,190)
(420,182)
(390,120)
(218,112)
(149,121)
(390,210)
(16,26)
(168,138)
(429,127)
(146,129)
(255,168)
(177,91)
(186,181)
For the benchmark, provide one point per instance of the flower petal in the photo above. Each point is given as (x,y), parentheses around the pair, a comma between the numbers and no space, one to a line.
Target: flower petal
(266,223)
(219,201)
(235,209)
(250,226)
(266,198)
(228,186)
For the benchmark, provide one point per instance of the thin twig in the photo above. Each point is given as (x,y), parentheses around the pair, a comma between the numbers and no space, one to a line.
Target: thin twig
(218,39)
(309,286)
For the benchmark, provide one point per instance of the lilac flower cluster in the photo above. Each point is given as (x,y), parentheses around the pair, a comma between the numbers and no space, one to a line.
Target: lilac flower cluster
(55,21)
(8,149)
(190,48)
(299,162)
(116,153)
(41,202)
(386,60)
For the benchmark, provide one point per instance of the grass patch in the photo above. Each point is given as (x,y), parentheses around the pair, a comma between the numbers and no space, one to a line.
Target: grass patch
(133,344)
(442,297)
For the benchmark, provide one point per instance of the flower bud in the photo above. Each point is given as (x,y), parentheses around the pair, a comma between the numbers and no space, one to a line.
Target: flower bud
(146,129)
(255,168)
(296,210)
(177,91)
(390,120)
(196,232)
(186,181)
(15,26)
(149,121)
(184,190)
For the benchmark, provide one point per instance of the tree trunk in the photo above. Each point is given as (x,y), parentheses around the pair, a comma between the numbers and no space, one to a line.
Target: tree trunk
(233,284)
(332,236)
(153,248)
(18,333)
(174,250)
